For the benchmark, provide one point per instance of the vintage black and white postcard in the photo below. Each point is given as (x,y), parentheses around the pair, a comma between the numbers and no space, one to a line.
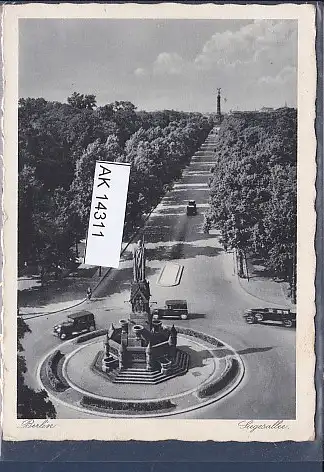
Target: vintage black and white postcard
(159,189)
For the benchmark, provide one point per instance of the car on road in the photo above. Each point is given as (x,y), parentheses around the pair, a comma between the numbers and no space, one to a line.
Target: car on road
(284,316)
(76,323)
(191,208)
(172,309)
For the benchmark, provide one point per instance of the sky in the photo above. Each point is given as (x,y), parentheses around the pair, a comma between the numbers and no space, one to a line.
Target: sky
(161,64)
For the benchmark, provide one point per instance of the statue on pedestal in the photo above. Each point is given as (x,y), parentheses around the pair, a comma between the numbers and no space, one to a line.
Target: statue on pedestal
(139,261)
(140,291)
(141,351)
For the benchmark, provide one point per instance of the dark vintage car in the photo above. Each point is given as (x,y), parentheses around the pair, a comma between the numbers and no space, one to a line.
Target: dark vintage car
(172,309)
(284,316)
(77,323)
(191,208)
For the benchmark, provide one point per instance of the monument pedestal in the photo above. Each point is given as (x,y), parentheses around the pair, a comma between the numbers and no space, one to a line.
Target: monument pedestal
(144,350)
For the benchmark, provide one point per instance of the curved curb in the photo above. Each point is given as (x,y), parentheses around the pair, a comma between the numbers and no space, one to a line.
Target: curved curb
(96,412)
(255,297)
(229,371)
(30,316)
(118,400)
(285,304)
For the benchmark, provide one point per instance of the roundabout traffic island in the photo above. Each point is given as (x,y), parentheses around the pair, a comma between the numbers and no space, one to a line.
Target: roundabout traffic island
(141,368)
(214,370)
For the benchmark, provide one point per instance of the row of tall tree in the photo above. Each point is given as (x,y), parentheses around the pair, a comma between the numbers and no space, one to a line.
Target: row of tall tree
(254,187)
(59,144)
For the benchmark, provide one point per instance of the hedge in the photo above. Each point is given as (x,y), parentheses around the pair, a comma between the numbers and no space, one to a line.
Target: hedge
(214,387)
(54,378)
(93,334)
(197,334)
(126,406)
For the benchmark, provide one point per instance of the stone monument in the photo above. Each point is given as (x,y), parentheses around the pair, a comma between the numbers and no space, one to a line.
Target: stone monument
(140,289)
(141,350)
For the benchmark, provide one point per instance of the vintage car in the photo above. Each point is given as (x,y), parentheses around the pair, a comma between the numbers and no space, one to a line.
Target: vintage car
(191,208)
(172,309)
(77,323)
(284,316)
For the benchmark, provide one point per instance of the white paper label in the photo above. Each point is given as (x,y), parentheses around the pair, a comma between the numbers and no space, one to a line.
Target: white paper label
(107,214)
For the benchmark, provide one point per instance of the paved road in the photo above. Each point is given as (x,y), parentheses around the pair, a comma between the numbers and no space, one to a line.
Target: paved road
(215,298)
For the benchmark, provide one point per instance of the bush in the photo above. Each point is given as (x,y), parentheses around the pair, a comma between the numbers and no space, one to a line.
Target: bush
(55,380)
(93,334)
(214,387)
(202,336)
(126,406)
(54,360)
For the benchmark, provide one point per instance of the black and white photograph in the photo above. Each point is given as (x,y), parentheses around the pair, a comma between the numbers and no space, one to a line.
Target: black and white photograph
(170,145)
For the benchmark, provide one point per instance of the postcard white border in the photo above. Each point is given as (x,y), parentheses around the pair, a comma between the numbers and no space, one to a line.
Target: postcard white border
(301,429)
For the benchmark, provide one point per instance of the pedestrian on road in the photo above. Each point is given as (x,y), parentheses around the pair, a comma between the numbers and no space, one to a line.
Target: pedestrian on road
(89,293)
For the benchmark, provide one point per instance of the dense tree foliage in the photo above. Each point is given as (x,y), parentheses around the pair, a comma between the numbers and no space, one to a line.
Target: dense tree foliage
(78,100)
(30,404)
(59,144)
(253,186)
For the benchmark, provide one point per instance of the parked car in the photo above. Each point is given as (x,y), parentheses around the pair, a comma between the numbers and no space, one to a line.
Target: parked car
(77,323)
(172,309)
(191,208)
(284,316)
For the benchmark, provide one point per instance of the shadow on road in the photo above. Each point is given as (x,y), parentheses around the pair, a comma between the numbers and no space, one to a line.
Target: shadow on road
(164,229)
(277,325)
(220,353)
(181,250)
(252,350)
(120,281)
(196,316)
(194,179)
(176,210)
(180,195)
(197,357)
(67,289)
